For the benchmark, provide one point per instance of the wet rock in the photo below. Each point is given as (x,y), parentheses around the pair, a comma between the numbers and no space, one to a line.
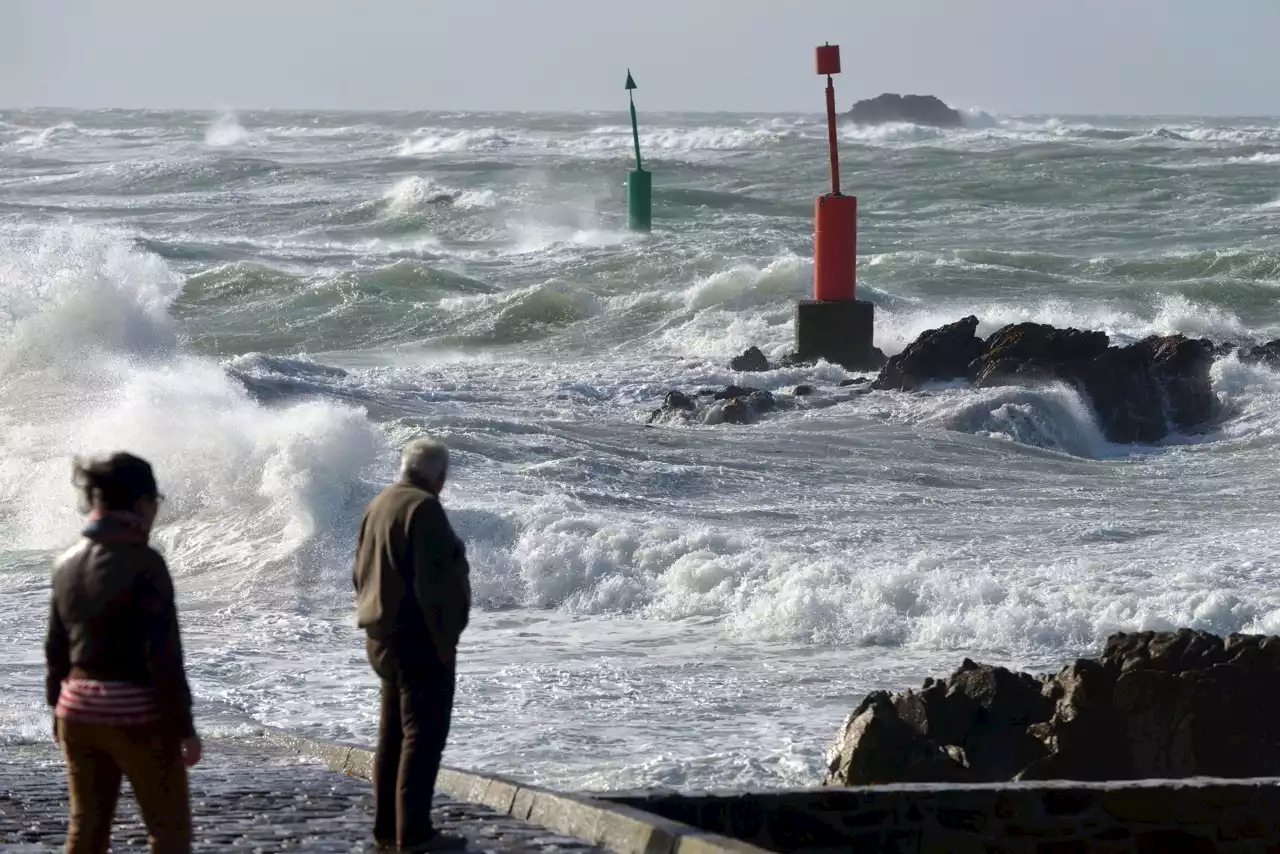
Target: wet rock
(1181,367)
(1084,738)
(751,360)
(854,381)
(1128,386)
(747,408)
(803,390)
(794,360)
(733,404)
(762,401)
(738,411)
(1262,354)
(732,391)
(915,109)
(1125,396)
(675,403)
(1174,704)
(938,354)
(1139,393)
(1142,392)
(877,746)
(1027,350)
(678,400)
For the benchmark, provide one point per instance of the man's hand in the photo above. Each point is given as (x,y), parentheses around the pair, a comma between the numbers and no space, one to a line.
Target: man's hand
(191,751)
(448,657)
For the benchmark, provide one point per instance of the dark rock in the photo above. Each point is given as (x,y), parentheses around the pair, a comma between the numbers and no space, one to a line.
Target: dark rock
(762,401)
(1226,348)
(1139,393)
(1174,705)
(738,411)
(1036,349)
(875,746)
(678,400)
(854,381)
(1142,392)
(916,109)
(746,408)
(803,390)
(751,360)
(1128,386)
(794,360)
(1125,396)
(676,403)
(999,695)
(1084,739)
(938,354)
(1182,367)
(1262,354)
(738,405)
(732,391)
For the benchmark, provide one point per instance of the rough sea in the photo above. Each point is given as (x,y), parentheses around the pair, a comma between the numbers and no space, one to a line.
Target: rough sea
(267,305)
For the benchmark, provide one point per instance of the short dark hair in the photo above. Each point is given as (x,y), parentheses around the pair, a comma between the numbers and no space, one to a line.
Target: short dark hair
(117,482)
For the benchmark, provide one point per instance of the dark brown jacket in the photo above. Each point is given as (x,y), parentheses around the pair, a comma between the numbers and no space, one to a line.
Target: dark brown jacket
(113,618)
(411,573)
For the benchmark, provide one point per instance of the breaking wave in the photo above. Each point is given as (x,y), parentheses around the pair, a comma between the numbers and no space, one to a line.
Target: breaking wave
(227,132)
(93,361)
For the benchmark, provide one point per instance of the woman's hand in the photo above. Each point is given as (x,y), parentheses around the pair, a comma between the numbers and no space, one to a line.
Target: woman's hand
(191,751)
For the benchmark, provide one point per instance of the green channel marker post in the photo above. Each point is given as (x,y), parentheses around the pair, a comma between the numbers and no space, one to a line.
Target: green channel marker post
(639,182)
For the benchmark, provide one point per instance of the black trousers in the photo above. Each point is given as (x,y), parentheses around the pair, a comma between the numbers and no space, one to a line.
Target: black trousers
(417,708)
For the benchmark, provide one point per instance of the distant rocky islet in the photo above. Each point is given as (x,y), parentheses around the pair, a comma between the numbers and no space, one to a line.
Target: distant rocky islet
(913,109)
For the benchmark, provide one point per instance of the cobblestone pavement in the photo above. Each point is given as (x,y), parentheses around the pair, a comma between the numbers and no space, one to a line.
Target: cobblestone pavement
(247,797)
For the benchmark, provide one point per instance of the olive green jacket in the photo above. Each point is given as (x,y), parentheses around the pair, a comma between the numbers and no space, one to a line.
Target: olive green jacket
(411,573)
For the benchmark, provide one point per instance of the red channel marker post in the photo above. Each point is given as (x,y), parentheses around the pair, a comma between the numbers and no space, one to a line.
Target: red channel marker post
(835,326)
(835,218)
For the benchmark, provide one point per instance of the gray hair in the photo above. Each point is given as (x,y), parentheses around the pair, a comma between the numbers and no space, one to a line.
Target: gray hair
(424,459)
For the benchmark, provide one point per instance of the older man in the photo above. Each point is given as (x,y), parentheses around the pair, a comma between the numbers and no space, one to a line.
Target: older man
(413,596)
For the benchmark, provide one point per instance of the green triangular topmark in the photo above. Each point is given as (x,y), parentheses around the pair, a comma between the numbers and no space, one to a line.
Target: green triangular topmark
(631,84)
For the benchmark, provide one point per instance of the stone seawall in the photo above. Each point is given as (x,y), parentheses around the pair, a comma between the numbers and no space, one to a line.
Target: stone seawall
(608,824)
(1147,816)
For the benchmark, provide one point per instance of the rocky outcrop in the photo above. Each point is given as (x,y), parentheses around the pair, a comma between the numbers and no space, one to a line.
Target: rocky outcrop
(737,404)
(754,359)
(1266,354)
(1033,350)
(1140,392)
(1155,705)
(938,354)
(744,406)
(751,360)
(915,109)
(731,405)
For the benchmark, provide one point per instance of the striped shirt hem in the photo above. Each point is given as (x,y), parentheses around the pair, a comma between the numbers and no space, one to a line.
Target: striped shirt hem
(90,701)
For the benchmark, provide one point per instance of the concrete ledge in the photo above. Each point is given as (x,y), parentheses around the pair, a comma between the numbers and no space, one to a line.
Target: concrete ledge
(616,827)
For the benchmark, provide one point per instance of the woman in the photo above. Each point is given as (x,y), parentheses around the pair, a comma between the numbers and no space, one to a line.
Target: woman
(115,676)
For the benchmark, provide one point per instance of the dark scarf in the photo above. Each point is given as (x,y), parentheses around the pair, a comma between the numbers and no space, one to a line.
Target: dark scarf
(116,526)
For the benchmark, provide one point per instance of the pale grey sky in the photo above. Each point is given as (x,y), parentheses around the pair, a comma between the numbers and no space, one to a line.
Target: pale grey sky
(1069,56)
